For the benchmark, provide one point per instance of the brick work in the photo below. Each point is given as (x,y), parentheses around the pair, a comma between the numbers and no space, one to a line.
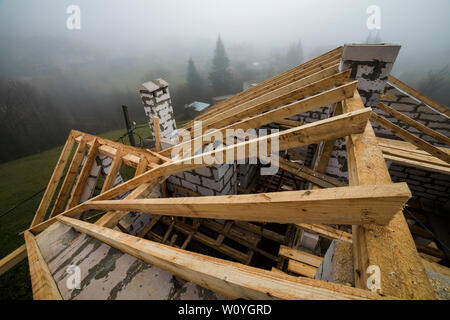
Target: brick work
(155,96)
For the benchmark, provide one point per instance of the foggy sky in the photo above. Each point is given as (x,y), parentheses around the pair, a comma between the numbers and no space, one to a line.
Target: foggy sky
(421,27)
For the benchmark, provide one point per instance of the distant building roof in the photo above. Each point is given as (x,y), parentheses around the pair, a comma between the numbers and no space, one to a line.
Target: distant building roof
(198,106)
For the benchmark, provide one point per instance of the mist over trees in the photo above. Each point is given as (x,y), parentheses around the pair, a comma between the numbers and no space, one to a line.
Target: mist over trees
(53,80)
(220,76)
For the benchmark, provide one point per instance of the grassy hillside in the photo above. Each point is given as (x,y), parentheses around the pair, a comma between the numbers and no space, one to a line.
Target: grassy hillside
(20,179)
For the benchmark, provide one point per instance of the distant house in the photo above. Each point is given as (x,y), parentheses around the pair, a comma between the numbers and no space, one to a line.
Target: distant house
(198,106)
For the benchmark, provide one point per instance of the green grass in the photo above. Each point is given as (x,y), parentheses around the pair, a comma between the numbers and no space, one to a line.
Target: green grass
(19,179)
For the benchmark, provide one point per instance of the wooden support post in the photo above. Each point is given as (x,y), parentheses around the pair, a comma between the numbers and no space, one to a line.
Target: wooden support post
(54,180)
(390,247)
(157,134)
(43,284)
(83,176)
(241,281)
(113,171)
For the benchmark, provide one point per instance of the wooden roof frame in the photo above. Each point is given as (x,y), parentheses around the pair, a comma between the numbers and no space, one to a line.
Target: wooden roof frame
(317,83)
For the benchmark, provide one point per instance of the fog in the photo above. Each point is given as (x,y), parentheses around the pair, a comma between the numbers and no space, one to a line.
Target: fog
(80,76)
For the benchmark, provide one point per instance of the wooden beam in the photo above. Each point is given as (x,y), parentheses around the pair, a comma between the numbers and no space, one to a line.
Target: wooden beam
(113,172)
(83,176)
(12,259)
(54,180)
(390,247)
(301,268)
(413,123)
(43,284)
(157,134)
(301,256)
(230,279)
(345,205)
(132,155)
(307,104)
(293,91)
(336,127)
(328,146)
(69,179)
(305,173)
(403,134)
(326,231)
(418,95)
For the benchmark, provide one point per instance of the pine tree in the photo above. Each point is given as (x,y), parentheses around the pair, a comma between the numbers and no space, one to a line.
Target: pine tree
(220,76)
(294,55)
(194,83)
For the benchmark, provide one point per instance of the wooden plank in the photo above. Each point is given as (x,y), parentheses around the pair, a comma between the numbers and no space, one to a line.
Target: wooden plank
(290,123)
(300,256)
(241,281)
(109,148)
(390,247)
(69,179)
(413,123)
(336,127)
(415,160)
(345,205)
(307,104)
(157,134)
(302,269)
(12,259)
(54,180)
(315,177)
(83,176)
(402,133)
(418,95)
(264,232)
(43,284)
(113,172)
(326,231)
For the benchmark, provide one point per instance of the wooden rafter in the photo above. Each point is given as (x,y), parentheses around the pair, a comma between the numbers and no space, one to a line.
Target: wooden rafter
(43,284)
(404,134)
(345,205)
(413,123)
